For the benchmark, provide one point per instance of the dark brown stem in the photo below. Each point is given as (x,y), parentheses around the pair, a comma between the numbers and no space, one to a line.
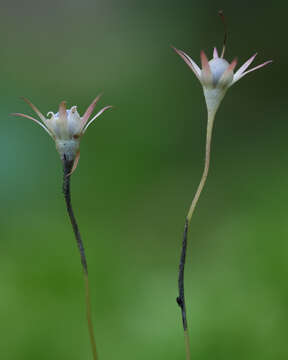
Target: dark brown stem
(67,167)
(181,297)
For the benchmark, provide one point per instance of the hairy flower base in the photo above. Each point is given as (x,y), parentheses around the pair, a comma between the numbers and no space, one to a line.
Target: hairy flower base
(68,149)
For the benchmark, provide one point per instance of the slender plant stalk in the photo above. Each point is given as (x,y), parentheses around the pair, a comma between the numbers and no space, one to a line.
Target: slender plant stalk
(67,167)
(181,296)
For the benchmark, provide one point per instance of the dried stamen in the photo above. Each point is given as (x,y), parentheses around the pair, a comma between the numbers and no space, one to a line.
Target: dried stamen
(221,14)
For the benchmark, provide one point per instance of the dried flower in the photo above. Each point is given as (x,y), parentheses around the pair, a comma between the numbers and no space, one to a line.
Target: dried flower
(66,127)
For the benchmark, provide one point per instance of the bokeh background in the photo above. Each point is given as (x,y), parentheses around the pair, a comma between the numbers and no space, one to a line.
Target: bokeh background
(140,165)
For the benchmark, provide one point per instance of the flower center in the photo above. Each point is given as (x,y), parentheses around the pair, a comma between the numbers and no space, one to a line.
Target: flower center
(218,67)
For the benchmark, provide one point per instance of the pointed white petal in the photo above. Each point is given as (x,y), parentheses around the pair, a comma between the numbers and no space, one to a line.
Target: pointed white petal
(96,116)
(241,70)
(193,66)
(89,111)
(36,121)
(247,72)
(38,112)
(206,74)
(215,53)
(227,76)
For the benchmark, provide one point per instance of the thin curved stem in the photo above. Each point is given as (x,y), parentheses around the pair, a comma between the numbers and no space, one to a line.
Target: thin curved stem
(181,297)
(67,167)
(206,167)
(89,317)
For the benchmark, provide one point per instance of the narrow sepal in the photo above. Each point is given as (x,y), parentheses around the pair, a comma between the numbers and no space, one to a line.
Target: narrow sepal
(35,120)
(62,110)
(206,76)
(257,67)
(232,65)
(227,77)
(215,53)
(36,110)
(241,70)
(75,163)
(96,116)
(89,110)
(193,66)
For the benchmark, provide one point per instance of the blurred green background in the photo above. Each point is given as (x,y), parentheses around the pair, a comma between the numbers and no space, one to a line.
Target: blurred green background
(140,166)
